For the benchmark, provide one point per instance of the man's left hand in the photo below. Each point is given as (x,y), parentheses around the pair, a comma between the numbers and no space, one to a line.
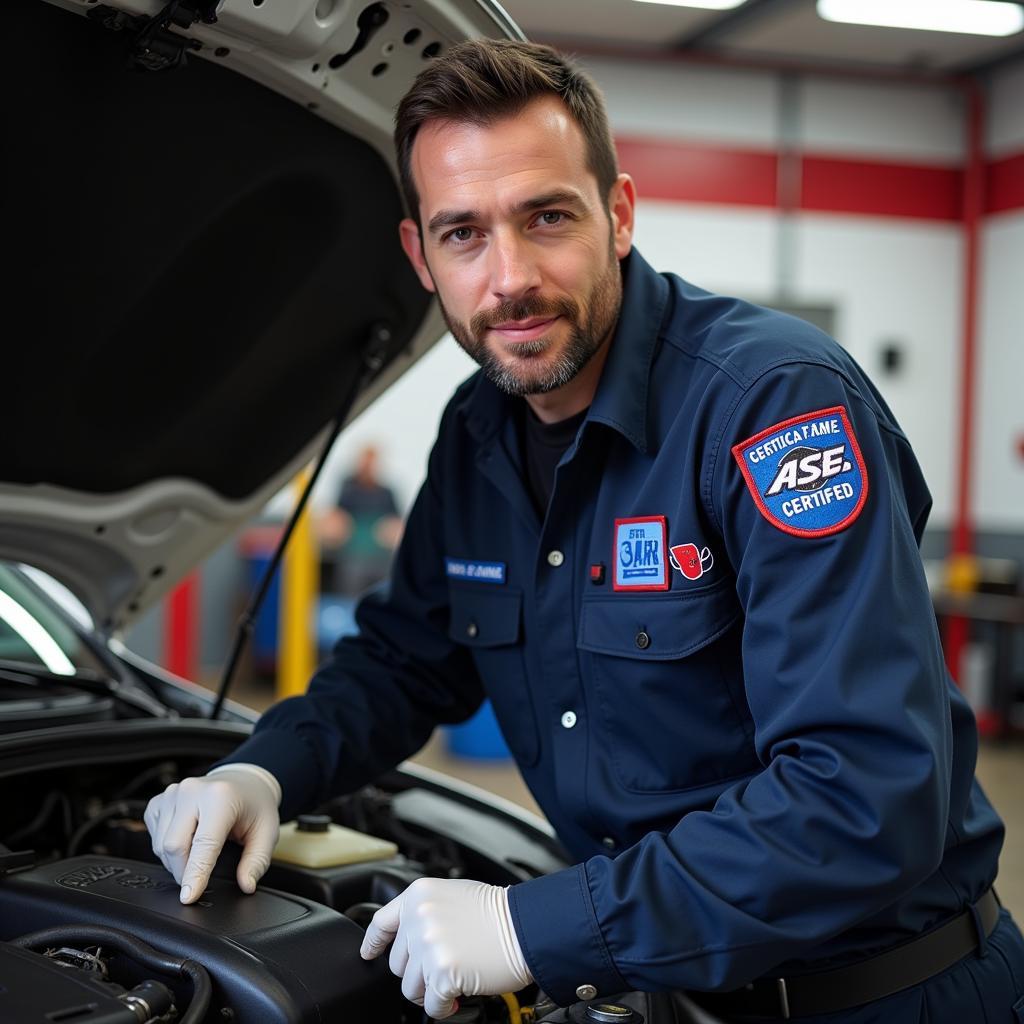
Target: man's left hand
(451,937)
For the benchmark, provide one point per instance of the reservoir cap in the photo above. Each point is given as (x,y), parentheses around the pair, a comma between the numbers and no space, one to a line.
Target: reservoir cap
(609,1013)
(313,822)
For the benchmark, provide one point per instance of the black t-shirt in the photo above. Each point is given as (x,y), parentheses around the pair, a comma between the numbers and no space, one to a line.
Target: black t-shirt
(543,447)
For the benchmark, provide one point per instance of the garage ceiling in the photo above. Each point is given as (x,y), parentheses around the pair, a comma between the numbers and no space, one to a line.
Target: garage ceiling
(783,33)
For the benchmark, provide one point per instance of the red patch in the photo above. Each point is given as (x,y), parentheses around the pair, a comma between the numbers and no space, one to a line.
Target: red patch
(689,561)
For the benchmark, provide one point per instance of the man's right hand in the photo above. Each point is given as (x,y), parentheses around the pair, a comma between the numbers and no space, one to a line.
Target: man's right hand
(190,821)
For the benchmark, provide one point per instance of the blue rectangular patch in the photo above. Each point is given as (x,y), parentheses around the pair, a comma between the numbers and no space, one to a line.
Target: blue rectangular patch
(640,560)
(478,572)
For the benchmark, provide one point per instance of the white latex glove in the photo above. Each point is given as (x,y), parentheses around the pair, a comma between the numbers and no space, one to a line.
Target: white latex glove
(451,937)
(190,821)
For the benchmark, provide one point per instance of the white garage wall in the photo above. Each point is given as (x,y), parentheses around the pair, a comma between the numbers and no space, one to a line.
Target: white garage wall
(678,101)
(1004,132)
(998,464)
(724,249)
(897,121)
(897,283)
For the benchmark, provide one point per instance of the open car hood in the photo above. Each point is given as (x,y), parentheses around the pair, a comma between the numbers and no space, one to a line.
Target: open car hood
(202,252)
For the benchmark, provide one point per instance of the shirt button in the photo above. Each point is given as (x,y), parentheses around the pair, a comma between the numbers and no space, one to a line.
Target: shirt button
(472,629)
(642,640)
(568,719)
(608,843)
(586,992)
(555,558)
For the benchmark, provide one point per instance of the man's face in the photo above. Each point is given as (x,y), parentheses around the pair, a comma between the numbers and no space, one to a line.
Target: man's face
(519,245)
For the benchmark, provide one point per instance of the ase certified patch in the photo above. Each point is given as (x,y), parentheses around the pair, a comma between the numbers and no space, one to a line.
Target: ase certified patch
(807,474)
(640,558)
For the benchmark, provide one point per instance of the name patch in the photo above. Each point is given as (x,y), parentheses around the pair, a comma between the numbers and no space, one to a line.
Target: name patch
(478,572)
(640,554)
(807,475)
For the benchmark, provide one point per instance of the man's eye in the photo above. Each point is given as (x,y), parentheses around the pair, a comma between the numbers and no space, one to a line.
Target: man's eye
(551,217)
(461,234)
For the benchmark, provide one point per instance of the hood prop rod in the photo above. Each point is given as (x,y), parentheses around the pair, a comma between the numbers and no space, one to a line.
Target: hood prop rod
(373,358)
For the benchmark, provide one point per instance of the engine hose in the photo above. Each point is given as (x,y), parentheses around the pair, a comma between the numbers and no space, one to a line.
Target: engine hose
(515,1015)
(120,809)
(141,952)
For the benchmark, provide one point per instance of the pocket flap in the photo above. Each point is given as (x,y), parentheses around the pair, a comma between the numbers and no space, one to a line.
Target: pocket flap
(484,617)
(657,628)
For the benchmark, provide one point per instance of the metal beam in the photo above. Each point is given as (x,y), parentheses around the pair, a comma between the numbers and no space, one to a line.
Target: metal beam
(729,21)
(989,64)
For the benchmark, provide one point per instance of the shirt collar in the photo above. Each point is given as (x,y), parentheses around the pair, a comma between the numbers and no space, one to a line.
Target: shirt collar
(620,401)
(621,398)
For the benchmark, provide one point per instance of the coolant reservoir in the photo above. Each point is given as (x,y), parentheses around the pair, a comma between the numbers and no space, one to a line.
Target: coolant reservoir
(313,841)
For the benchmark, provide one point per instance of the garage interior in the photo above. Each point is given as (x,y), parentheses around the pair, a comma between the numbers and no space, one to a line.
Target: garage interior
(869,179)
(203,217)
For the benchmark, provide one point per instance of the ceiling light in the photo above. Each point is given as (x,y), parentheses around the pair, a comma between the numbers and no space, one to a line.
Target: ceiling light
(977,17)
(706,5)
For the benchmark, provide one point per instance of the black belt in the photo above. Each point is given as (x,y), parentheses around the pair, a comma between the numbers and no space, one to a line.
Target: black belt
(875,978)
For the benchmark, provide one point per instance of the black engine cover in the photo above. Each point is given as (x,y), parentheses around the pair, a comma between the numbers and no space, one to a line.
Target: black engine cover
(272,957)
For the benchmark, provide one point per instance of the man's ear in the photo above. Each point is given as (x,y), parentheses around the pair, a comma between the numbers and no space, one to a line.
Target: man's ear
(412,244)
(621,209)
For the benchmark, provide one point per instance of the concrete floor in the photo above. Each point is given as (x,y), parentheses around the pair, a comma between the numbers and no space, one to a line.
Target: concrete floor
(1000,770)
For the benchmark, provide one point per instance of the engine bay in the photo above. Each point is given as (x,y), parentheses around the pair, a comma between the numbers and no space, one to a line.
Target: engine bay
(92,930)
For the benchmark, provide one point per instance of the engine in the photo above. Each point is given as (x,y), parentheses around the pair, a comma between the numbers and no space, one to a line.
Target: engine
(272,957)
(92,930)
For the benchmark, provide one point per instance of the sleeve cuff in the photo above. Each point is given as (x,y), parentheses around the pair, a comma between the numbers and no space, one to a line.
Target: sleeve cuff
(253,769)
(288,758)
(560,938)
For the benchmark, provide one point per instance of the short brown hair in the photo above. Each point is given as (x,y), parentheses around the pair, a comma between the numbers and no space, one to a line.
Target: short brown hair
(484,80)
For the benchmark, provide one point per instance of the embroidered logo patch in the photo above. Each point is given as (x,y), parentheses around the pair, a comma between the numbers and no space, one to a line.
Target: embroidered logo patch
(479,572)
(689,561)
(640,557)
(807,474)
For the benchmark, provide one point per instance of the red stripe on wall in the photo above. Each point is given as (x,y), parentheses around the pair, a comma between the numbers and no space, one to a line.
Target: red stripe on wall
(881,189)
(1004,186)
(693,173)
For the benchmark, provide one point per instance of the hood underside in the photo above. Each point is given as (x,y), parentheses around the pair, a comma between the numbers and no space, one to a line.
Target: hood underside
(200,257)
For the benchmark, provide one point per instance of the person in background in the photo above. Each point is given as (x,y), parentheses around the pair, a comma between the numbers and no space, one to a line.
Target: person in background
(362,529)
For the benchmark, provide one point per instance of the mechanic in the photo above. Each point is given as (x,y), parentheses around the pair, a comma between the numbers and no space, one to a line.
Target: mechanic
(674,538)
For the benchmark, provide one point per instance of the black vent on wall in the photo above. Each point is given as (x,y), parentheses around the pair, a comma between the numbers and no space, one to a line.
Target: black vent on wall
(195,262)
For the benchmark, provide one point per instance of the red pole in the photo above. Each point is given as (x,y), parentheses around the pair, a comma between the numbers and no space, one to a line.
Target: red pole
(962,543)
(181,617)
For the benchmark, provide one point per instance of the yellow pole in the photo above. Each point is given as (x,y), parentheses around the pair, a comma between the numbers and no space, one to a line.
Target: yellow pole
(299,585)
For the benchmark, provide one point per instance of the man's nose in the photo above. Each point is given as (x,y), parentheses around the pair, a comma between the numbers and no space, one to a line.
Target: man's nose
(514,272)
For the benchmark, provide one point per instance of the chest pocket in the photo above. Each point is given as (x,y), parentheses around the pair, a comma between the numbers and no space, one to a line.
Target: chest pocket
(488,620)
(670,708)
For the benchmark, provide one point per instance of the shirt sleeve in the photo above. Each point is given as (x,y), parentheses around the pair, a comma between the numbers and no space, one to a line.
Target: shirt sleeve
(378,697)
(846,684)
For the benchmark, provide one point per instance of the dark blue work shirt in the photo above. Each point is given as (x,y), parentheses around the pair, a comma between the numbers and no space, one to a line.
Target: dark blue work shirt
(715,659)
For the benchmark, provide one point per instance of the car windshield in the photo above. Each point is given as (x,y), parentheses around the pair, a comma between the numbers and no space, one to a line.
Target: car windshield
(35,634)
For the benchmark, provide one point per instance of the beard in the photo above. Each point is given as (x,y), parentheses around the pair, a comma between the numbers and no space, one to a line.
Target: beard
(535,367)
